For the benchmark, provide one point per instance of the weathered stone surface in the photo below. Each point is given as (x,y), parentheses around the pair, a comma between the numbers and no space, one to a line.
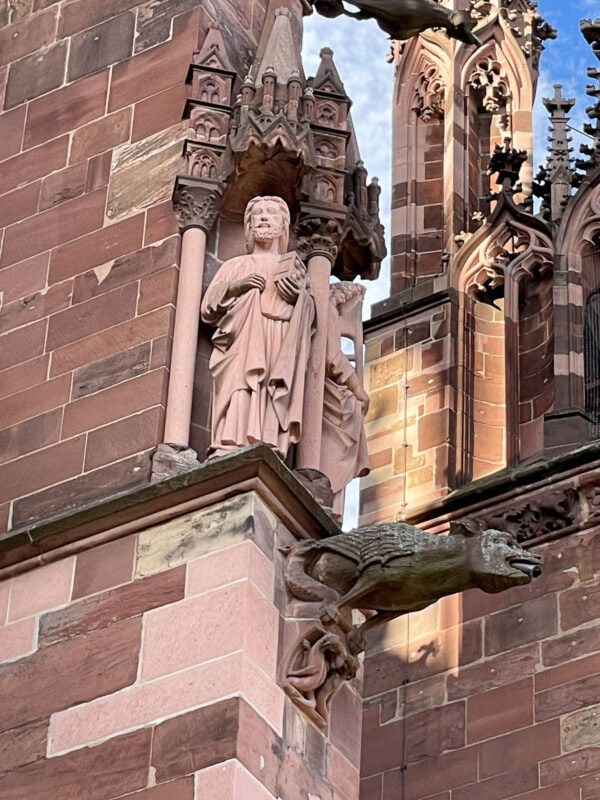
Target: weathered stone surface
(41,304)
(194,535)
(63,185)
(110,770)
(528,622)
(500,710)
(102,610)
(23,745)
(568,697)
(143,172)
(196,740)
(153,325)
(518,749)
(581,729)
(101,135)
(34,401)
(33,164)
(90,666)
(111,370)
(104,44)
(74,493)
(19,204)
(18,440)
(68,108)
(23,344)
(35,75)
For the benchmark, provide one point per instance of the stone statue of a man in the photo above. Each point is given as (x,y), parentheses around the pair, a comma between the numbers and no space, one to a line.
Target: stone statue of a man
(263,310)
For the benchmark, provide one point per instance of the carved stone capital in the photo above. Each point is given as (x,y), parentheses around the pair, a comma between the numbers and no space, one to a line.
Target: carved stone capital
(319,236)
(196,204)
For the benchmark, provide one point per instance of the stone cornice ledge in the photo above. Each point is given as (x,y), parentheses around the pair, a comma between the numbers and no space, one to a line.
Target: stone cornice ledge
(255,468)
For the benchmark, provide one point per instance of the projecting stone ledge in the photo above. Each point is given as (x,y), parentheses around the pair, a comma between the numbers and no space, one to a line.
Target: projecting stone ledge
(255,470)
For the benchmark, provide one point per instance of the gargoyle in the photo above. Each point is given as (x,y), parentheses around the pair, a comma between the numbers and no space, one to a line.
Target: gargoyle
(402,19)
(385,571)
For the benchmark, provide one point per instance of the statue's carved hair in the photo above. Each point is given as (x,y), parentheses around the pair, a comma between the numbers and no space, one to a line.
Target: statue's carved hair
(285,213)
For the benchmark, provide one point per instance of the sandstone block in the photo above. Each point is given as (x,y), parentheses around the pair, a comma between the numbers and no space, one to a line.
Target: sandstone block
(97,248)
(110,371)
(195,535)
(102,610)
(79,490)
(242,561)
(104,567)
(64,185)
(499,711)
(26,36)
(453,769)
(90,666)
(581,729)
(98,47)
(532,621)
(567,697)
(510,784)
(143,172)
(77,15)
(159,111)
(18,640)
(23,376)
(91,317)
(229,779)
(53,227)
(34,401)
(570,766)
(518,749)
(37,306)
(66,109)
(33,434)
(23,745)
(103,134)
(494,672)
(129,397)
(36,75)
(158,290)
(580,605)
(567,673)
(145,703)
(212,625)
(154,325)
(24,279)
(35,163)
(31,472)
(12,124)
(19,204)
(137,433)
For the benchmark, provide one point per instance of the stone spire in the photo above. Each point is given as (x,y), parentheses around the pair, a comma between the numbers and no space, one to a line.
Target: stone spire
(556,178)
(280,56)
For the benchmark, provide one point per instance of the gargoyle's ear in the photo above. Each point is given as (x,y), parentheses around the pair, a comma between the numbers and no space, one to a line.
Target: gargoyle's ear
(467,527)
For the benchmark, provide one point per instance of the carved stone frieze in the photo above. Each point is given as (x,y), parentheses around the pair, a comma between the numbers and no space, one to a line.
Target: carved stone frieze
(196,204)
(385,571)
(539,516)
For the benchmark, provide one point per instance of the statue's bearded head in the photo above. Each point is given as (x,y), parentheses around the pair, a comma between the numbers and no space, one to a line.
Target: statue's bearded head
(265,219)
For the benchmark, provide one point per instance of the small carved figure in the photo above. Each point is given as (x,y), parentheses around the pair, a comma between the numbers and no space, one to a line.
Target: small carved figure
(402,19)
(263,310)
(344,453)
(390,570)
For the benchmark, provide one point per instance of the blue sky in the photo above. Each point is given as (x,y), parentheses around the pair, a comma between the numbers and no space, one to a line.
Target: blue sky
(360,49)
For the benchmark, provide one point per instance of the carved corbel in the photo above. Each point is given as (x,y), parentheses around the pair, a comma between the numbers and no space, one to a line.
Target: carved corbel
(196,204)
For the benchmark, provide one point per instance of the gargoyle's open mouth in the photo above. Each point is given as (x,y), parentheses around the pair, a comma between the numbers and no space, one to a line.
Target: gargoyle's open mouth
(529,568)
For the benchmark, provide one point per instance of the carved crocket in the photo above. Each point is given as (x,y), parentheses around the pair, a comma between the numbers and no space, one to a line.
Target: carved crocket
(402,19)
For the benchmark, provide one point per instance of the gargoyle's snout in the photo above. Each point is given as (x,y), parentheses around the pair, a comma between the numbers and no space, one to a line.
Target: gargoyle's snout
(532,570)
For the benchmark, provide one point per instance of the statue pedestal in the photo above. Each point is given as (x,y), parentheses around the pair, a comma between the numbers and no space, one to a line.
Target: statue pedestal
(163,611)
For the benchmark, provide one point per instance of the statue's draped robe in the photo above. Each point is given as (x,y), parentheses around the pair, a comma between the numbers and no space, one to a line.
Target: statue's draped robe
(259,359)
(344,453)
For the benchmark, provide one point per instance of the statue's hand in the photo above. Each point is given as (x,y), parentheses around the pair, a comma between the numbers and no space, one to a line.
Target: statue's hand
(242,285)
(289,288)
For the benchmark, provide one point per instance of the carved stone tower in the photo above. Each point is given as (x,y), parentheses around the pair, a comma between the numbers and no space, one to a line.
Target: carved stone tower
(466,255)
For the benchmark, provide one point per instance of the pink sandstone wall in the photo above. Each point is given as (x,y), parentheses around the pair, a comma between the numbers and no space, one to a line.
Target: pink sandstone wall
(147,668)
(91,132)
(505,706)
